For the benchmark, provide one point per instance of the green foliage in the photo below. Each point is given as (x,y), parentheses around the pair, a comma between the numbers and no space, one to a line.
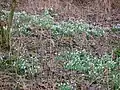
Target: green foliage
(22,21)
(84,62)
(116,28)
(64,86)
(117,52)
(91,66)
(20,65)
(70,28)
(116,79)
(74,60)
(1,14)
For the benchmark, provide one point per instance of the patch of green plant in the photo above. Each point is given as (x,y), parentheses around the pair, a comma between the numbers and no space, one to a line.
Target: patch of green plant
(91,66)
(22,21)
(116,28)
(1,14)
(20,65)
(68,28)
(117,52)
(84,62)
(64,86)
(115,76)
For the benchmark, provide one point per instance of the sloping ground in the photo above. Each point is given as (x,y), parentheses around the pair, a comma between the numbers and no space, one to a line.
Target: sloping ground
(43,48)
(103,12)
(48,75)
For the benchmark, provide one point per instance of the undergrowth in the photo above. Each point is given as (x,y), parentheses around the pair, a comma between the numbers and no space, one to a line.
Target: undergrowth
(64,86)
(96,69)
(22,21)
(20,65)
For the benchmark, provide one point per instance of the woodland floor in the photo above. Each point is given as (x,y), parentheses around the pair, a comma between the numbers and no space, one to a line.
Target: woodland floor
(51,71)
